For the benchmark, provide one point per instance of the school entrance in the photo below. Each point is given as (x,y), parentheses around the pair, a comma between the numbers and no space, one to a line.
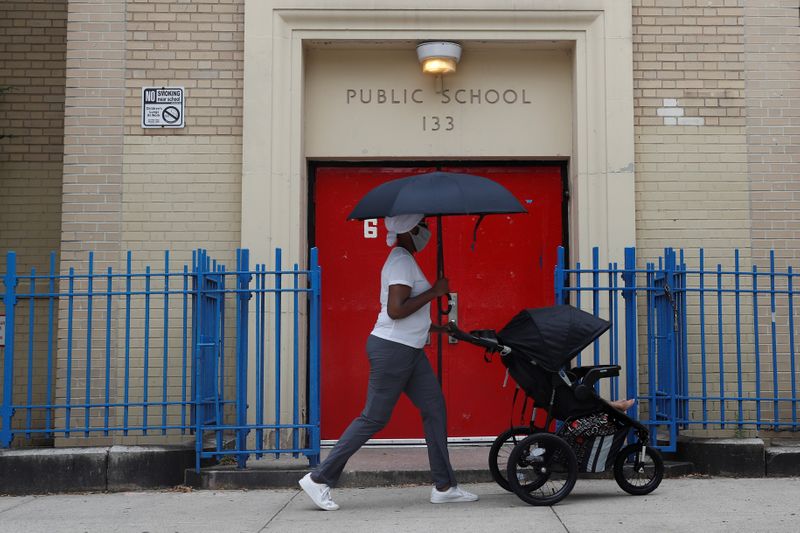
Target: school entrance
(508,267)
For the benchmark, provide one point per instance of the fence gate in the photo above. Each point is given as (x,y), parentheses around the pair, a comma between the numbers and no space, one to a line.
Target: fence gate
(663,341)
(207,343)
(662,400)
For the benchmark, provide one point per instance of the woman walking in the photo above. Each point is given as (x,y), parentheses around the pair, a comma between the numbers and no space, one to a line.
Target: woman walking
(398,365)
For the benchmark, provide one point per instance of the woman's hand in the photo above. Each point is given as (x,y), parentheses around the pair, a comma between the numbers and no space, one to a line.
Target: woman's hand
(441,287)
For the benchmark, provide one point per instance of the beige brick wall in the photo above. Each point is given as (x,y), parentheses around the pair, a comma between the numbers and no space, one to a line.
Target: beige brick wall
(182,192)
(183,186)
(692,190)
(692,51)
(772,71)
(93,131)
(772,64)
(692,183)
(691,154)
(32,62)
(92,180)
(170,189)
(32,38)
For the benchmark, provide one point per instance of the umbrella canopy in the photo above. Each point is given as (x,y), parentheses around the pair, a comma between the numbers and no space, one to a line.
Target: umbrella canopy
(437,193)
(551,336)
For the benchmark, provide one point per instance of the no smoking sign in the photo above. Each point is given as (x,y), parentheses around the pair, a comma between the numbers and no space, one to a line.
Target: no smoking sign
(162,107)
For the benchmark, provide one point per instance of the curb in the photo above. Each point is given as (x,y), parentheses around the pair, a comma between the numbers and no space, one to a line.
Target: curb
(749,457)
(228,478)
(114,468)
(121,468)
(782,461)
(231,479)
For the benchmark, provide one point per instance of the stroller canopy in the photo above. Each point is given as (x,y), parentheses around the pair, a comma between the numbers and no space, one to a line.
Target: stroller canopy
(551,336)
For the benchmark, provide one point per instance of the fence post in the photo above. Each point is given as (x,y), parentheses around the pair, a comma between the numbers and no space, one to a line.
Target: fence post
(559,277)
(242,315)
(631,347)
(278,341)
(671,362)
(314,360)
(198,275)
(683,338)
(10,301)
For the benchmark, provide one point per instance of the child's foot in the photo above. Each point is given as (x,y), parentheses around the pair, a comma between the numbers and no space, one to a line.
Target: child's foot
(622,405)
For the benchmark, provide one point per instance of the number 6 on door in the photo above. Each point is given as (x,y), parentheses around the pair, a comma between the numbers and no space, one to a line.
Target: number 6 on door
(371,228)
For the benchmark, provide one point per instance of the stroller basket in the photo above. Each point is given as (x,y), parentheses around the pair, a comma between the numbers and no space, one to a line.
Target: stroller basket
(595,439)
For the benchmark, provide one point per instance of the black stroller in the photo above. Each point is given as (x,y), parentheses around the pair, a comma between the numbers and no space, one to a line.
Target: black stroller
(539,466)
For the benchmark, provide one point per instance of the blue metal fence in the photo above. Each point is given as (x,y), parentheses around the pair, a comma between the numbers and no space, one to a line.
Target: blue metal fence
(155,353)
(704,347)
(225,357)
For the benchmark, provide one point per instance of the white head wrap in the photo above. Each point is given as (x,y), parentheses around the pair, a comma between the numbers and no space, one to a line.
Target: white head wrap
(400,224)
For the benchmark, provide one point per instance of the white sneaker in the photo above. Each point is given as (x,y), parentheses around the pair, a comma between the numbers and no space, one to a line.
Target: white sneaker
(452,495)
(320,493)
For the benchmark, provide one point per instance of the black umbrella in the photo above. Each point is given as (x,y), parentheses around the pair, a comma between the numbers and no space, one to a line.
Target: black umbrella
(437,194)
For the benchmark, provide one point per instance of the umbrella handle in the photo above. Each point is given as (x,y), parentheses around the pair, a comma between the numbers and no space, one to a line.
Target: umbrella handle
(446,311)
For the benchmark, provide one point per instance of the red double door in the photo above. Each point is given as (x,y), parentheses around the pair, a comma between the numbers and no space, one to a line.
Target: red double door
(510,268)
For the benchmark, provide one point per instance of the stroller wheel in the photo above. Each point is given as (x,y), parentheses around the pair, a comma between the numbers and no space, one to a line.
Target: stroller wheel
(635,476)
(501,450)
(542,469)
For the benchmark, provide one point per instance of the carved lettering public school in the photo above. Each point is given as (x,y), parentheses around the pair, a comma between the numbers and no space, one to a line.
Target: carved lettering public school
(460,96)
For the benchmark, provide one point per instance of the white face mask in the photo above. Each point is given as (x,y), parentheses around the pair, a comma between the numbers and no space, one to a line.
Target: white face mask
(421,239)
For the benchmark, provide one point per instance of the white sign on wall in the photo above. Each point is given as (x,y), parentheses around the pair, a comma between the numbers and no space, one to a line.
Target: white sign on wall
(162,107)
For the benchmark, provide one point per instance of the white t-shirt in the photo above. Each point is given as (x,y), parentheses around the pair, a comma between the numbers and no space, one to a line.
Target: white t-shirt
(400,268)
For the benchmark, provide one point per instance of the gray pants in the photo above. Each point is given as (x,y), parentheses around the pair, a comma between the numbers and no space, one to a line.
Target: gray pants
(395,368)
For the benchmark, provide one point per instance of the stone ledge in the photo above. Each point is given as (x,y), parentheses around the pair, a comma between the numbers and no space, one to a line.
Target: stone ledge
(115,468)
(146,467)
(724,457)
(783,461)
(42,471)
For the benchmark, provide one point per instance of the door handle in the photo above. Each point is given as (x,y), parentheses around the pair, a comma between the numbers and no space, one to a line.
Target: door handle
(452,316)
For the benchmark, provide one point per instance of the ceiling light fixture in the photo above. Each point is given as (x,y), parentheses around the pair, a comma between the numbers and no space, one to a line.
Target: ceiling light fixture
(438,57)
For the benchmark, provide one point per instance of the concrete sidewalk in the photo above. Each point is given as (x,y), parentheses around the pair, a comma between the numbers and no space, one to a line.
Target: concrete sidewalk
(684,504)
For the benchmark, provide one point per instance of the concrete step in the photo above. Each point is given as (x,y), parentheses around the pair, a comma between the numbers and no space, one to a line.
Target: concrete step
(370,467)
(111,468)
(746,457)
(782,460)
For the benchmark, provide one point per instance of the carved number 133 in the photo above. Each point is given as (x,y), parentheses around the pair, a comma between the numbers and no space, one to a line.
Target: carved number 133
(437,123)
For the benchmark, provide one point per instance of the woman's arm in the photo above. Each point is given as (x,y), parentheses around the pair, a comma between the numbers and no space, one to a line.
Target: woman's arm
(401,304)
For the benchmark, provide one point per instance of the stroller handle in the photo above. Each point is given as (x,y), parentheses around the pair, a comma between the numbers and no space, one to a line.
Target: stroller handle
(489,343)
